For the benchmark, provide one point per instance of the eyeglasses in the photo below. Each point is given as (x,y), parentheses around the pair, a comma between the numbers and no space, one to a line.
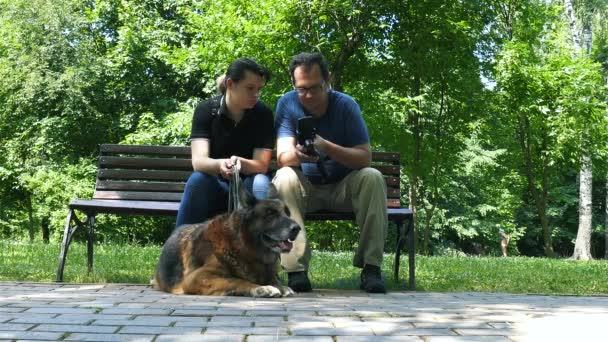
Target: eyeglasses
(315,89)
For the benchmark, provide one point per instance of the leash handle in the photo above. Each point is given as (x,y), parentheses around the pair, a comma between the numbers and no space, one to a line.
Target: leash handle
(234,202)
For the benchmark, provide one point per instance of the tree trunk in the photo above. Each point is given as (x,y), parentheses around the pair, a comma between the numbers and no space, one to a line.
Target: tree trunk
(45,230)
(540,197)
(414,123)
(582,247)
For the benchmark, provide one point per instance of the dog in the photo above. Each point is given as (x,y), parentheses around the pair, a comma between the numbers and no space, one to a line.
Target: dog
(233,254)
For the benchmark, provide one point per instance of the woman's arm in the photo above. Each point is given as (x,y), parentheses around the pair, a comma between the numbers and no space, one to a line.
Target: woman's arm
(258,164)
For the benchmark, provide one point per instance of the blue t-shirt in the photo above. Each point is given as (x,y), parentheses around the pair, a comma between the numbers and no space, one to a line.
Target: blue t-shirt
(342,124)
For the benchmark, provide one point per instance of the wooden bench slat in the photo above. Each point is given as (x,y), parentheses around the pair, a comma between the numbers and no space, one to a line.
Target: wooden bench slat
(145,163)
(160,175)
(154,150)
(392,192)
(138,196)
(392,181)
(391,170)
(393,203)
(125,207)
(390,157)
(140,186)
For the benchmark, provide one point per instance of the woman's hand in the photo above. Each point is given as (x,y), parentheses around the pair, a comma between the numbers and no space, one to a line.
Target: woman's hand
(227,166)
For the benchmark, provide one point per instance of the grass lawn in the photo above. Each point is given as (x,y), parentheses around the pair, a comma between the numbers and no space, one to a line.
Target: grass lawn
(331,270)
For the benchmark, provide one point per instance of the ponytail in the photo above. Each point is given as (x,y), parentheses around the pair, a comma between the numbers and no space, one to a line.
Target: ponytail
(220,83)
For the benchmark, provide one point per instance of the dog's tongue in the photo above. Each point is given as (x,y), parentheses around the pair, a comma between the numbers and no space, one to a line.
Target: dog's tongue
(285,246)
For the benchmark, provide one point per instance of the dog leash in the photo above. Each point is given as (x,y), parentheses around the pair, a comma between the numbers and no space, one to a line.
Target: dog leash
(234,201)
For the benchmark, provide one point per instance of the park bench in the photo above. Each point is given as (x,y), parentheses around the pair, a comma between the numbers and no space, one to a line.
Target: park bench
(150,180)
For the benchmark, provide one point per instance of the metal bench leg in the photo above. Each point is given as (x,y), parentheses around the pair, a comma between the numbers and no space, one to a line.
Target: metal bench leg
(412,252)
(68,232)
(400,244)
(90,240)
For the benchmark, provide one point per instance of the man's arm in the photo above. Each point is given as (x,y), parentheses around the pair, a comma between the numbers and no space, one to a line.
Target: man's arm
(291,154)
(356,157)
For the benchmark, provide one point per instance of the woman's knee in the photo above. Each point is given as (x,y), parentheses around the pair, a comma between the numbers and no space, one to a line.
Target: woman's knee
(200,179)
(259,186)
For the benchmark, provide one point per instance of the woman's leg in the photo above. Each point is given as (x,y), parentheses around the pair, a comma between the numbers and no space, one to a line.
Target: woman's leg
(204,196)
(257,184)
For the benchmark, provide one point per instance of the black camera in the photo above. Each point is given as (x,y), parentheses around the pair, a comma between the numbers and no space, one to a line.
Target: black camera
(305,133)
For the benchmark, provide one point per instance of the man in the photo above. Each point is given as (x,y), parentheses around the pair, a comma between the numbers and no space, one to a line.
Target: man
(341,144)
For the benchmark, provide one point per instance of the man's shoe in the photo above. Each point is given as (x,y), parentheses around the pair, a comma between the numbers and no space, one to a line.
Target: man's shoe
(298,281)
(371,280)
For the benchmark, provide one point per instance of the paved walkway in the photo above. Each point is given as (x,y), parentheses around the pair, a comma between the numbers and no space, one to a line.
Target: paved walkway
(117,312)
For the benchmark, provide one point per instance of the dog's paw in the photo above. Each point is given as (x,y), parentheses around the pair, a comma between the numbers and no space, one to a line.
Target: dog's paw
(266,291)
(287,291)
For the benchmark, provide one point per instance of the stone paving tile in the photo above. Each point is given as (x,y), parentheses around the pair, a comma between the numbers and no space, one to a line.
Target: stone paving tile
(11,309)
(160,330)
(134,311)
(468,339)
(484,332)
(267,338)
(194,312)
(379,339)
(460,325)
(330,331)
(60,310)
(202,338)
(109,337)
(15,327)
(76,328)
(246,330)
(94,316)
(29,335)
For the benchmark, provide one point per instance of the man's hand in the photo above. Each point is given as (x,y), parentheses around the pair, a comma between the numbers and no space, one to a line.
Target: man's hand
(303,156)
(320,143)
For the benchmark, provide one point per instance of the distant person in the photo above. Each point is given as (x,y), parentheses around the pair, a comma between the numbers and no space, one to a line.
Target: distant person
(233,128)
(504,242)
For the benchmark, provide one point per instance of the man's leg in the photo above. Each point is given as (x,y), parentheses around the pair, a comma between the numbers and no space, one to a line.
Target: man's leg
(293,189)
(364,192)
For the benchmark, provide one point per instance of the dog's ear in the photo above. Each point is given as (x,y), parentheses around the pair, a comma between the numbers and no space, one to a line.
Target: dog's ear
(246,198)
(272,192)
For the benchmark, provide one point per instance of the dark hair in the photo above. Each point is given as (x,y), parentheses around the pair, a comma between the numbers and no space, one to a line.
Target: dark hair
(236,72)
(308,59)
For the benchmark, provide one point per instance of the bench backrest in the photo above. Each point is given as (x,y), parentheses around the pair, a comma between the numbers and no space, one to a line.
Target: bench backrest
(159,173)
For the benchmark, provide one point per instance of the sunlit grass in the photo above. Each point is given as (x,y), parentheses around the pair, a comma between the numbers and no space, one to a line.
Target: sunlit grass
(329,270)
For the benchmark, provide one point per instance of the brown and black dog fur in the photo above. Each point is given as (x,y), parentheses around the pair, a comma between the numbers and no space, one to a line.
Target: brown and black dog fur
(230,254)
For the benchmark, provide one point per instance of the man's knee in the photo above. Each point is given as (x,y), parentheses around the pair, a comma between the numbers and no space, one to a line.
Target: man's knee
(371,178)
(285,178)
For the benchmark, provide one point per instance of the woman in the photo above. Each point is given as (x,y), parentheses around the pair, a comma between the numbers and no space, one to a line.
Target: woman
(233,128)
